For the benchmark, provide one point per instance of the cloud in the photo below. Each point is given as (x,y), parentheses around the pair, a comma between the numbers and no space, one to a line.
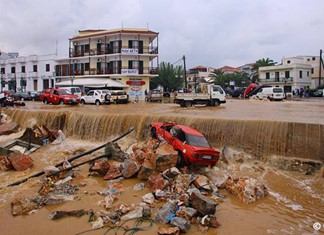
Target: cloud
(210,33)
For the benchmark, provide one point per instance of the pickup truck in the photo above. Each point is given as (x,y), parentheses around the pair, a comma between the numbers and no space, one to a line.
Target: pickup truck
(58,96)
(211,95)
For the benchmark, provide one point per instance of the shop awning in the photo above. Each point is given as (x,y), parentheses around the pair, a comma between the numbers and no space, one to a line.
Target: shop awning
(91,82)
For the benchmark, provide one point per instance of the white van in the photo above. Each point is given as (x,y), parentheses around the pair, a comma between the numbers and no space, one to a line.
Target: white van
(271,93)
(74,90)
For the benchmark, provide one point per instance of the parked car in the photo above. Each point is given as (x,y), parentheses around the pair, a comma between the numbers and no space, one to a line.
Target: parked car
(9,92)
(238,92)
(59,96)
(154,95)
(35,95)
(74,90)
(119,97)
(316,93)
(22,95)
(192,146)
(96,97)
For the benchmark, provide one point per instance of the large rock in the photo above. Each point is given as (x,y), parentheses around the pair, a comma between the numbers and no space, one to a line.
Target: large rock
(135,214)
(246,189)
(147,169)
(130,168)
(156,181)
(166,213)
(181,223)
(8,128)
(202,204)
(20,161)
(169,231)
(113,173)
(101,167)
(167,157)
(116,153)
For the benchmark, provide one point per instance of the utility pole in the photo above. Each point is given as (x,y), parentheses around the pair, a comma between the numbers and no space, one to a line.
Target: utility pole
(320,68)
(185,72)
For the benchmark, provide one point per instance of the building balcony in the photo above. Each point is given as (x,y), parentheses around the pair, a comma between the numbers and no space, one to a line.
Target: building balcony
(113,50)
(22,59)
(3,62)
(109,71)
(12,60)
(33,74)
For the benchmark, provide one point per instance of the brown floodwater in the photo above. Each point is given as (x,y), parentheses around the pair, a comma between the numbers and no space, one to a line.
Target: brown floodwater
(256,129)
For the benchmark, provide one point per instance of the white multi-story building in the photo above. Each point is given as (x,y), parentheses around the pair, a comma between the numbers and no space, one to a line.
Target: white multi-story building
(114,59)
(26,73)
(292,73)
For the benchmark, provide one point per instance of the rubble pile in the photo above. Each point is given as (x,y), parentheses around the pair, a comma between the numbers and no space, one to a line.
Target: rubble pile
(180,198)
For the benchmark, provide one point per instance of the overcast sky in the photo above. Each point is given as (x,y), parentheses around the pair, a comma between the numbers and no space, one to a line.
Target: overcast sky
(208,32)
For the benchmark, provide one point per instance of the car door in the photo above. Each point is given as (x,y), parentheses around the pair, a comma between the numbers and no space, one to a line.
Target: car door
(90,97)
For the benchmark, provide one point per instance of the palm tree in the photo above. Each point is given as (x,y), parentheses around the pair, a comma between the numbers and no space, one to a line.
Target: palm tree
(261,63)
(218,77)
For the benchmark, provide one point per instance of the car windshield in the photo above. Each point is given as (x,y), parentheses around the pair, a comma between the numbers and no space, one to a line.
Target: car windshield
(198,141)
(64,92)
(121,93)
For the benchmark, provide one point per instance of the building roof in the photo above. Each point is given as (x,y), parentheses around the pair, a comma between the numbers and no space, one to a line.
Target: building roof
(199,67)
(229,69)
(95,33)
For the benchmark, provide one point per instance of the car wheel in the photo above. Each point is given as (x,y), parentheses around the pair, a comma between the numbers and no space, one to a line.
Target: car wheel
(45,101)
(181,162)
(61,102)
(83,102)
(216,103)
(188,104)
(153,132)
(97,102)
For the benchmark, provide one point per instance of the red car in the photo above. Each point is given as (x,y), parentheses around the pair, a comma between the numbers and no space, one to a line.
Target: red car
(58,96)
(192,146)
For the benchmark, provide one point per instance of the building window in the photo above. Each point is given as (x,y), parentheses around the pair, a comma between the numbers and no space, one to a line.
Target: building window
(3,70)
(288,61)
(48,67)
(287,74)
(300,74)
(13,69)
(267,75)
(313,58)
(312,70)
(35,68)
(307,73)
(86,66)
(277,76)
(23,69)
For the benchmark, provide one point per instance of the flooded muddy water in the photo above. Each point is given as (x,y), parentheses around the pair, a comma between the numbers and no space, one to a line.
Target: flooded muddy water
(255,130)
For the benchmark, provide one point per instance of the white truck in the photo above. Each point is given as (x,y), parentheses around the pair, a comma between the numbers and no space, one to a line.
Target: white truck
(211,95)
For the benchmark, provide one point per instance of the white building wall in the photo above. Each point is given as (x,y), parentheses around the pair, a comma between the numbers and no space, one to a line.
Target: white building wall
(35,80)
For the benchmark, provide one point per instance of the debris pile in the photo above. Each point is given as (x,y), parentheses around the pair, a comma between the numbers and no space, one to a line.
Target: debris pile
(180,198)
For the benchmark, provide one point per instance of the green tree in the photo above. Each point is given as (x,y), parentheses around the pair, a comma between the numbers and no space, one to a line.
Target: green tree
(170,77)
(260,63)
(218,77)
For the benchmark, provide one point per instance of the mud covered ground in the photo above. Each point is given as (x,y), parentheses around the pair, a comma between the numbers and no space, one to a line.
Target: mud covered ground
(294,204)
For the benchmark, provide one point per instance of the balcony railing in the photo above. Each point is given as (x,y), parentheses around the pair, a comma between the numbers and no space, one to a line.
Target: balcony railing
(108,71)
(110,50)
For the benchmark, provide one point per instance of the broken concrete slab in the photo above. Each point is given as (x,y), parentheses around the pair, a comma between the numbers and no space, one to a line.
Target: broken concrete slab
(20,161)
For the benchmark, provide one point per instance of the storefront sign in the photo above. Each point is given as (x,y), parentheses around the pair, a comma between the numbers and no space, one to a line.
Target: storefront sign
(129,71)
(129,51)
